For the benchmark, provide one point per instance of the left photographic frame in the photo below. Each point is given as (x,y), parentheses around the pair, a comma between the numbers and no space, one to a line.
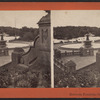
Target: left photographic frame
(25,49)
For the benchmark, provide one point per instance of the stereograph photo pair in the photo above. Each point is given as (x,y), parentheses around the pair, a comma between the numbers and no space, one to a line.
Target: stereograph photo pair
(50,49)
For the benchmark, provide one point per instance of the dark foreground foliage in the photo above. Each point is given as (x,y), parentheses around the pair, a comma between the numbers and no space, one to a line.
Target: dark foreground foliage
(84,78)
(18,77)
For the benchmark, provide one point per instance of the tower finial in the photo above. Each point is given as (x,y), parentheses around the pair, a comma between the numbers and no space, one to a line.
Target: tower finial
(48,11)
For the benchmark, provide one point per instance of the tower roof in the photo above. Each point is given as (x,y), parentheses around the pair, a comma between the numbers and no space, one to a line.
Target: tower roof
(45,19)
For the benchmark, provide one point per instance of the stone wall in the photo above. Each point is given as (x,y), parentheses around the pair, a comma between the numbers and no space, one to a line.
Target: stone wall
(69,67)
(32,55)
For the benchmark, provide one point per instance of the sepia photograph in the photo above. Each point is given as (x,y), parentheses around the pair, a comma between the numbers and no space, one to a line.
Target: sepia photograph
(76,45)
(25,39)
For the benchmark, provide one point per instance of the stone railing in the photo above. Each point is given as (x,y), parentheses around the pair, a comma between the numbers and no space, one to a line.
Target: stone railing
(71,53)
(80,52)
(64,67)
(59,64)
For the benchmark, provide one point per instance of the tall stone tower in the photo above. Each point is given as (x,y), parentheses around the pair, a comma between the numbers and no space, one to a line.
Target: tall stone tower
(45,40)
(39,53)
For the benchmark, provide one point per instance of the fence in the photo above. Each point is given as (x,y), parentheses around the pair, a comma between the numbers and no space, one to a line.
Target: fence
(71,53)
(83,52)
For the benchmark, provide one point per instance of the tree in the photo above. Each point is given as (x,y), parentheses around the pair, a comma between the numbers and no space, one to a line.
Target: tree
(86,79)
(70,32)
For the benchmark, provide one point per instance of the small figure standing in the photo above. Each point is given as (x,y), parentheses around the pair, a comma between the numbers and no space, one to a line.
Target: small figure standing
(87,37)
(2,37)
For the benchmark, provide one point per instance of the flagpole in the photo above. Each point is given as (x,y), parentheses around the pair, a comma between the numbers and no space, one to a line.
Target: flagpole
(15,27)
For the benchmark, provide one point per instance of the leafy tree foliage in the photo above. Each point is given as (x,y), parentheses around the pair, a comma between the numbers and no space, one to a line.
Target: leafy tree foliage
(70,32)
(25,33)
(86,79)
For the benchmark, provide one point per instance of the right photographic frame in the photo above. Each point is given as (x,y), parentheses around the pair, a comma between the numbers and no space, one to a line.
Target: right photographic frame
(76,45)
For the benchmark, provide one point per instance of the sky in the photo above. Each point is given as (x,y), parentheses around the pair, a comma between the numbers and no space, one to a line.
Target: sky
(76,18)
(30,18)
(23,18)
